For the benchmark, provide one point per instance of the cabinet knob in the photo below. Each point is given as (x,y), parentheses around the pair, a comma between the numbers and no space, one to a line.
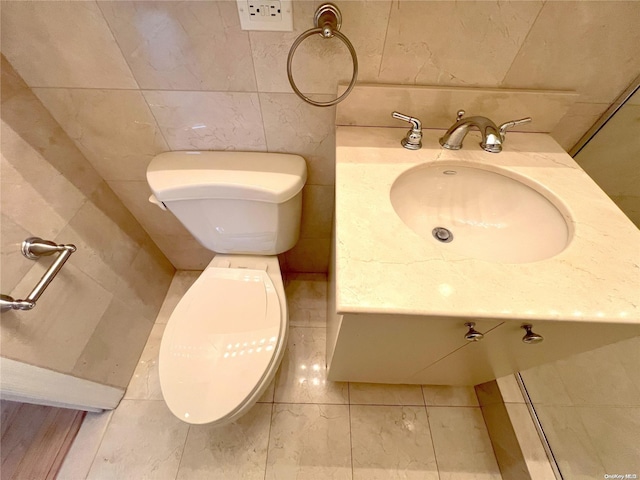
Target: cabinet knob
(472,335)
(531,337)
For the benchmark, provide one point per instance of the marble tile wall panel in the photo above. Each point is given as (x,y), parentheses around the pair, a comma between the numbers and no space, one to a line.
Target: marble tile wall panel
(293,126)
(309,255)
(63,44)
(184,250)
(576,122)
(634,99)
(319,64)
(578,457)
(104,251)
(615,434)
(146,282)
(183,45)
(599,377)
(209,120)
(436,107)
(611,158)
(181,282)
(49,189)
(39,337)
(184,52)
(135,196)
(13,265)
(306,299)
(42,131)
(589,47)
(317,211)
(111,353)
(453,43)
(114,129)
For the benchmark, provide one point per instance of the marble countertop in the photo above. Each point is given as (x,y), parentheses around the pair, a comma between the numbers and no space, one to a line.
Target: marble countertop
(382,266)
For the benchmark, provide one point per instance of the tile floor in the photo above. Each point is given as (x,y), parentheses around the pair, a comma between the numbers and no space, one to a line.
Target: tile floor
(304,427)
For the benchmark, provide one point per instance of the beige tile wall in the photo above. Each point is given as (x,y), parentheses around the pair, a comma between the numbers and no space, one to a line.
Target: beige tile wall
(94,318)
(127,80)
(611,158)
(589,408)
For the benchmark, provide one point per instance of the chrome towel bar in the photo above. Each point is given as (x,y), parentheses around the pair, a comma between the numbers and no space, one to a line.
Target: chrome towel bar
(33,248)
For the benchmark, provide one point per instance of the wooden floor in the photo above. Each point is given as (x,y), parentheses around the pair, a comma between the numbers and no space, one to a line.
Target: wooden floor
(35,439)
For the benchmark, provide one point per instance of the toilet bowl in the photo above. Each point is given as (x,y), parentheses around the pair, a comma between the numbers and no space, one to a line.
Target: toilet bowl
(225,339)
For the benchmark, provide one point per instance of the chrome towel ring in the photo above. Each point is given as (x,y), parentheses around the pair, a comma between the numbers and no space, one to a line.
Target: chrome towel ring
(327,21)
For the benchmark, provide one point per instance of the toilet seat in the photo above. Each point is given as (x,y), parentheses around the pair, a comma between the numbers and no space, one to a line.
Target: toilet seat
(222,345)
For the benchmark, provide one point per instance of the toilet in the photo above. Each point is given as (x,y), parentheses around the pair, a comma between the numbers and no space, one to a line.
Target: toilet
(226,337)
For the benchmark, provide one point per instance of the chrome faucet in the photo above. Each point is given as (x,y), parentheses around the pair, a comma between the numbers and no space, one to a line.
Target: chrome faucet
(413,139)
(492,135)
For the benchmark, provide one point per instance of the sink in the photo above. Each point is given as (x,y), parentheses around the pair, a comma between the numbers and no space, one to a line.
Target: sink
(479,213)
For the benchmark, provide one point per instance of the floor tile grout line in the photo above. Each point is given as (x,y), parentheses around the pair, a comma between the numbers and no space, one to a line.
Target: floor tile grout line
(350,428)
(104,433)
(433,442)
(184,446)
(266,457)
(351,441)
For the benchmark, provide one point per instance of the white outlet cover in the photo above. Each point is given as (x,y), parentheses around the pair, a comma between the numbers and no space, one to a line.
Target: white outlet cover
(266,15)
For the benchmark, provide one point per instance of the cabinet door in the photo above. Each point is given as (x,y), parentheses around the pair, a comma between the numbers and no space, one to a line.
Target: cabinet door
(502,351)
(393,348)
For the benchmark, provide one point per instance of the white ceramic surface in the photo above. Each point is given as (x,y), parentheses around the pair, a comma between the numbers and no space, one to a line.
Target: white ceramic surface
(228,333)
(486,214)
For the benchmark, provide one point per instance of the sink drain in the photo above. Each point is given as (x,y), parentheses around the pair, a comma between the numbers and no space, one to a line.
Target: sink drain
(442,234)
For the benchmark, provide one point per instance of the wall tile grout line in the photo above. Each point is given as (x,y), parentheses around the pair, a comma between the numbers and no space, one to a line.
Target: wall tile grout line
(113,35)
(523,43)
(386,33)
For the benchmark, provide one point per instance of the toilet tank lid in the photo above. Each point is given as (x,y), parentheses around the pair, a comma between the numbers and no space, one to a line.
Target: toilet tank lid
(267,177)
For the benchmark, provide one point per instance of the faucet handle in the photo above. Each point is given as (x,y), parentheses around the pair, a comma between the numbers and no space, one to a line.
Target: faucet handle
(415,123)
(413,140)
(512,123)
(459,115)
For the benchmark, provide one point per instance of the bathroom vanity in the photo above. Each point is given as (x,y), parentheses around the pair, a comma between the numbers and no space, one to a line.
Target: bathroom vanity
(399,298)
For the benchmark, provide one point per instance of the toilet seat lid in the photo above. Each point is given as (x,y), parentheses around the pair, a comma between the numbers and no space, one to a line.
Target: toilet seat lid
(219,343)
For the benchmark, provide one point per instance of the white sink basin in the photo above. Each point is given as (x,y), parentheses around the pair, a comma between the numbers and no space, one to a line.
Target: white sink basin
(479,213)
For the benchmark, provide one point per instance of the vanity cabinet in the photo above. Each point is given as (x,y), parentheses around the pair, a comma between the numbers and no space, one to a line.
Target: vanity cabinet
(502,351)
(433,351)
(393,348)
(399,295)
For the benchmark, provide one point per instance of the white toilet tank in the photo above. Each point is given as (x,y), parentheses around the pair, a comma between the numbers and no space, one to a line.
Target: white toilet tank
(233,202)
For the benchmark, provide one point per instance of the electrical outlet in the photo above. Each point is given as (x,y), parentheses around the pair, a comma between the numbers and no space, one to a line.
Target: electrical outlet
(266,15)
